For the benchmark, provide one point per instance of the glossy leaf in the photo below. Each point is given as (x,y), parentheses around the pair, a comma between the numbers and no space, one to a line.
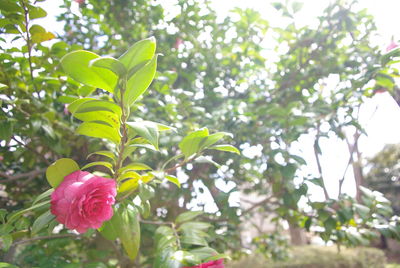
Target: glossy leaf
(43,196)
(139,82)
(103,153)
(99,163)
(191,143)
(187,216)
(76,65)
(134,166)
(147,130)
(225,148)
(213,138)
(56,172)
(174,180)
(42,221)
(140,52)
(97,130)
(109,63)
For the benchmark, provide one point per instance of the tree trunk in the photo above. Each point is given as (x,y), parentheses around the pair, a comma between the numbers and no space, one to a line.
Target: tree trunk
(297,235)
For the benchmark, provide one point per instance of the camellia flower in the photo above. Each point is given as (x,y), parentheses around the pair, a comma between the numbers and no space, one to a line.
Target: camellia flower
(83,200)
(211,264)
(391,46)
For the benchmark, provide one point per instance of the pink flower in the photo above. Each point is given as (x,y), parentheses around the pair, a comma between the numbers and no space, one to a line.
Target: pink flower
(83,201)
(178,43)
(391,46)
(211,264)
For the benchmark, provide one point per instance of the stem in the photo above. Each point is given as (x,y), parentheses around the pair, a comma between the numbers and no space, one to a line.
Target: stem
(319,163)
(123,129)
(169,170)
(29,45)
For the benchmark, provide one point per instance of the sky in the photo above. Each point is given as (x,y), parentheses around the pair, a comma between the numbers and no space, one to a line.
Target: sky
(378,113)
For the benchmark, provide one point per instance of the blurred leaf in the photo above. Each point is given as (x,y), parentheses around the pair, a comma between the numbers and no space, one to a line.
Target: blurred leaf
(56,172)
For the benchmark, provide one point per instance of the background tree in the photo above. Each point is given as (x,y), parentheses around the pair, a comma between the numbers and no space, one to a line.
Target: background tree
(214,73)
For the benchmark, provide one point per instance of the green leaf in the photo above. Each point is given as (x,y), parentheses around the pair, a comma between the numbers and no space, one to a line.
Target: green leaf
(76,65)
(109,63)
(43,196)
(187,216)
(96,110)
(131,184)
(99,163)
(3,86)
(110,229)
(134,166)
(174,180)
(42,221)
(76,103)
(14,216)
(139,82)
(39,34)
(130,231)
(207,159)
(166,246)
(99,130)
(225,148)
(213,138)
(217,257)
(195,225)
(146,192)
(36,12)
(6,130)
(6,241)
(103,153)
(90,104)
(204,252)
(138,53)
(191,143)
(85,90)
(56,172)
(125,225)
(7,265)
(362,210)
(147,130)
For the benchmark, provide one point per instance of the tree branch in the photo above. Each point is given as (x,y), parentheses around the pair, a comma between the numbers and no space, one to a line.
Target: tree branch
(30,174)
(316,154)
(44,238)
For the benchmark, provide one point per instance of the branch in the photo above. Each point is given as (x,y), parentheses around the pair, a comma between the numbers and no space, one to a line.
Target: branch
(184,162)
(30,174)
(45,160)
(257,204)
(29,45)
(352,149)
(316,154)
(45,237)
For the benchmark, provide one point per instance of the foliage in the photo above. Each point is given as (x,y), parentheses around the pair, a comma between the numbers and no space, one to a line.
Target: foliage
(316,257)
(213,73)
(384,174)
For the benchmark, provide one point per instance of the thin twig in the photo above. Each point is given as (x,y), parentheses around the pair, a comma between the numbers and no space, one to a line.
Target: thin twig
(32,150)
(44,238)
(316,154)
(29,45)
(11,178)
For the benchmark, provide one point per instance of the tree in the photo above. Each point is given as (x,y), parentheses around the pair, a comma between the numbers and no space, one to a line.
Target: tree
(213,73)
(383,174)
